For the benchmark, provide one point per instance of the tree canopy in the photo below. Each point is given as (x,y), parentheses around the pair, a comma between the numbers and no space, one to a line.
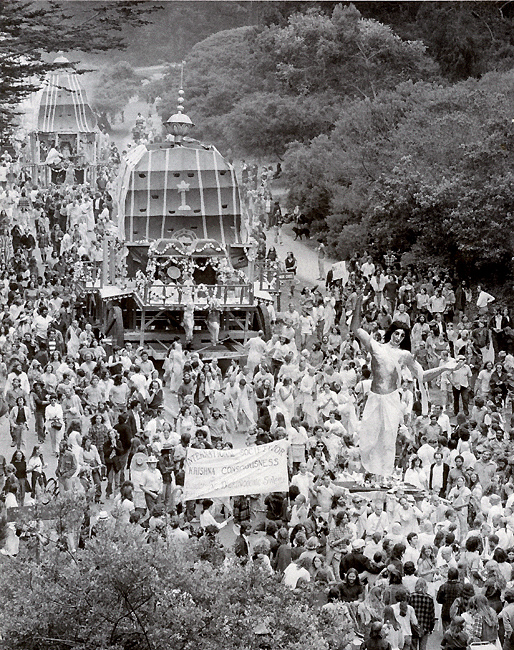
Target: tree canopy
(255,90)
(121,591)
(116,85)
(423,168)
(466,39)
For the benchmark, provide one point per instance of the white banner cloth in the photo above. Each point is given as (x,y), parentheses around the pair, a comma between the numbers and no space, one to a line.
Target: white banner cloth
(340,272)
(232,472)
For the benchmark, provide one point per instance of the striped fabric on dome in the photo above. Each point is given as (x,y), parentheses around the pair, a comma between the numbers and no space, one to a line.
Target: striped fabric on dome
(63,106)
(165,188)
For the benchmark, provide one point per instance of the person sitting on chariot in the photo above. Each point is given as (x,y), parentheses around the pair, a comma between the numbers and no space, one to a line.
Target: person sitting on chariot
(53,158)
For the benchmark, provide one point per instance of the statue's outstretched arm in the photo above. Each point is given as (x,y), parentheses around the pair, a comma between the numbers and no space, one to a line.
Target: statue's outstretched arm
(432,373)
(355,324)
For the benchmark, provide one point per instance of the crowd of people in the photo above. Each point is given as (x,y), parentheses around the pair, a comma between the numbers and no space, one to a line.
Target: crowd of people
(429,544)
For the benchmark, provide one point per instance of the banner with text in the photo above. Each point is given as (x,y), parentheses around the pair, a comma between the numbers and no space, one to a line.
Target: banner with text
(340,272)
(232,472)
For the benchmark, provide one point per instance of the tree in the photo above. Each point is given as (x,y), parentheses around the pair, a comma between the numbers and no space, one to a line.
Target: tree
(255,90)
(32,31)
(343,53)
(219,72)
(466,39)
(115,86)
(411,170)
(122,591)
(262,123)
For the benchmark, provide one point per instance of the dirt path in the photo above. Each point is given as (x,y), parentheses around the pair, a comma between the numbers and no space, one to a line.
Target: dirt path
(304,252)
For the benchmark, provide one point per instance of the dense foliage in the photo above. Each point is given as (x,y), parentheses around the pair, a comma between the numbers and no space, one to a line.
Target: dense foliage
(115,86)
(424,168)
(255,90)
(121,591)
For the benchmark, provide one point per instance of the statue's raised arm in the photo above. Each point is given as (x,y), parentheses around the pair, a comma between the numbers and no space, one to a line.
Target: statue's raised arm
(355,324)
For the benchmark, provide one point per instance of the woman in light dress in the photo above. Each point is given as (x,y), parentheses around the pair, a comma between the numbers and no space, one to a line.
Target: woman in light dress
(72,339)
(245,406)
(285,399)
(256,351)
(173,367)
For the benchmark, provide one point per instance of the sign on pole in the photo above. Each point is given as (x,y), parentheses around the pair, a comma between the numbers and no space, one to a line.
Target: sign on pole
(232,472)
(340,272)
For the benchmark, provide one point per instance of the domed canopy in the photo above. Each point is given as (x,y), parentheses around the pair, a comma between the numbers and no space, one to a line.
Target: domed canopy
(174,191)
(63,106)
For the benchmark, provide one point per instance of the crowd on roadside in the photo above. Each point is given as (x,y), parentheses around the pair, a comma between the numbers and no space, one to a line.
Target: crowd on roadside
(433,544)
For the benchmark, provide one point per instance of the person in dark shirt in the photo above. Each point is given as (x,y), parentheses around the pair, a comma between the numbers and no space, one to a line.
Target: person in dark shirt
(241,509)
(275,508)
(200,440)
(40,402)
(283,555)
(113,451)
(241,548)
(447,593)
(455,638)
(271,531)
(424,609)
(390,292)
(357,560)
(125,437)
(166,466)
(351,589)
(186,388)
(376,641)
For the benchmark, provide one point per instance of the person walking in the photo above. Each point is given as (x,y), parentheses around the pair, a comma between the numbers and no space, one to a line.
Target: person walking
(321,250)
(481,620)
(459,380)
(19,419)
(447,593)
(424,608)
(455,636)
(66,467)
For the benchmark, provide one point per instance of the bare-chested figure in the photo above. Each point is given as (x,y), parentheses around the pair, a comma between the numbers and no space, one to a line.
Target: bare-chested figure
(382,414)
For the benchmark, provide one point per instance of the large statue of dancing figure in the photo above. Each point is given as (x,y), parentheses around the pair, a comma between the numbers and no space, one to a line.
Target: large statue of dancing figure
(382,414)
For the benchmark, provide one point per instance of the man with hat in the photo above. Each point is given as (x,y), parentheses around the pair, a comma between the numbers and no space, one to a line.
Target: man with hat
(358,561)
(103,522)
(166,466)
(311,550)
(151,483)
